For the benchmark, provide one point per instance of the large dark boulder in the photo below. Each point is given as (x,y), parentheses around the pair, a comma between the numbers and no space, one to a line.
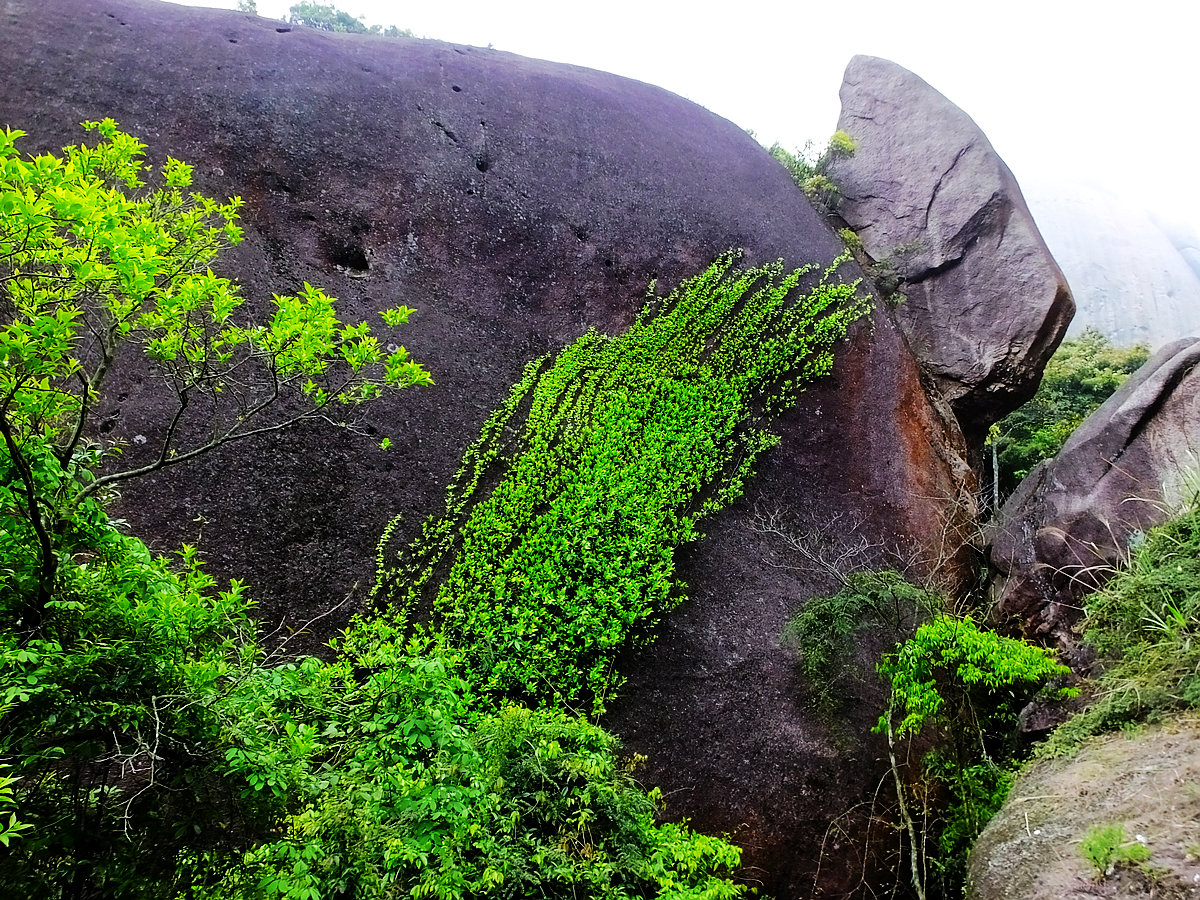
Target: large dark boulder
(936,206)
(1069,523)
(514,203)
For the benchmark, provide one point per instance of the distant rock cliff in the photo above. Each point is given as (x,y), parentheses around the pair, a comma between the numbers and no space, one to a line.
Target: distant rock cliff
(1135,279)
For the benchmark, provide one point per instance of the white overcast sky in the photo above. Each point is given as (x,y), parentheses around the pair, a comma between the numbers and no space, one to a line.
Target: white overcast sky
(1101,91)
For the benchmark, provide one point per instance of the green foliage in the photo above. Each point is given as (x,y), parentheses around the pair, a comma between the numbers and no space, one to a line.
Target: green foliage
(326,17)
(967,685)
(937,676)
(93,261)
(108,720)
(827,629)
(809,169)
(160,754)
(429,802)
(851,240)
(1105,847)
(557,545)
(1081,375)
(1145,626)
(248,6)
(13,828)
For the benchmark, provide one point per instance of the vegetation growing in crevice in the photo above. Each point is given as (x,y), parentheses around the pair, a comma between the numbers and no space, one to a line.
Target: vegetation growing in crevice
(965,686)
(557,545)
(1082,374)
(1144,624)
(809,167)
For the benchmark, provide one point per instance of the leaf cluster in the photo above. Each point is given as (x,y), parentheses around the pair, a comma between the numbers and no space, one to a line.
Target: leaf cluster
(557,545)
(936,675)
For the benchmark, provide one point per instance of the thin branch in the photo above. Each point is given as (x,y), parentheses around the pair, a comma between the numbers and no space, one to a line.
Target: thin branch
(64,456)
(49,561)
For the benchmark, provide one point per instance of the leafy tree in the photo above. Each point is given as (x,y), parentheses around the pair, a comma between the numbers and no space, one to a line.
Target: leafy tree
(326,17)
(92,261)
(1082,374)
(248,6)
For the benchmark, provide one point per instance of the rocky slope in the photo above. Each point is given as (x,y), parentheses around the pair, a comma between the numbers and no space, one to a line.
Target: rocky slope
(1145,783)
(515,203)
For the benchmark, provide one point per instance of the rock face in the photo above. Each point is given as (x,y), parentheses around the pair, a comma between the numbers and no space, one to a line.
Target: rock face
(516,203)
(986,303)
(1132,278)
(1031,849)
(1122,471)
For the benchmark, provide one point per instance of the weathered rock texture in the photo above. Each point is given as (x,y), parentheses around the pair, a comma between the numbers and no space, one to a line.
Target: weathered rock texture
(1123,470)
(514,203)
(986,303)
(1132,277)
(1031,849)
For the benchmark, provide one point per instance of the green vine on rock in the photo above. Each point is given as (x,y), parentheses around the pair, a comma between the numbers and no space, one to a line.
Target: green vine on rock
(557,545)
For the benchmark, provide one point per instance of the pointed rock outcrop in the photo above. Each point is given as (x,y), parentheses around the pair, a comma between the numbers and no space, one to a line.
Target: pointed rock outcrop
(933,203)
(1069,523)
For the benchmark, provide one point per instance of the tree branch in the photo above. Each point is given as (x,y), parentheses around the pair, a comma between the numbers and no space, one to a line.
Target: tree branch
(48,569)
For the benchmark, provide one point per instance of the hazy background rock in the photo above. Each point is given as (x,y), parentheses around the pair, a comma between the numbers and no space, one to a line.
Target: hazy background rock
(1135,279)
(986,304)
(1123,470)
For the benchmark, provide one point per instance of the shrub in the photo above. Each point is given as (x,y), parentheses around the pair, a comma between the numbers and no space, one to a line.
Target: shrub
(1105,847)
